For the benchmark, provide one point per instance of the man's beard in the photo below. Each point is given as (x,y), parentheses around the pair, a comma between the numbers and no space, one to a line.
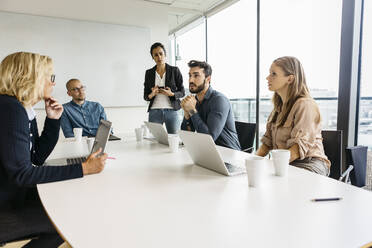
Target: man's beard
(198,89)
(80,98)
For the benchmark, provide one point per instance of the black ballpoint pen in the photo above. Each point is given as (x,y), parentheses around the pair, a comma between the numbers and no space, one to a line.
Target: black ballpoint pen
(326,199)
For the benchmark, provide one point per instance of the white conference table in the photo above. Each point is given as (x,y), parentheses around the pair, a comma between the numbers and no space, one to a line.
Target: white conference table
(149,197)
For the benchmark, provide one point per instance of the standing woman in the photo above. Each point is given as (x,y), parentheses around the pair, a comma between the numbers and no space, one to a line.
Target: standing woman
(26,79)
(295,122)
(163,88)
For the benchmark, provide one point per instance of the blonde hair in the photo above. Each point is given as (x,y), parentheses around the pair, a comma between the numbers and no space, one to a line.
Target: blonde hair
(23,75)
(297,89)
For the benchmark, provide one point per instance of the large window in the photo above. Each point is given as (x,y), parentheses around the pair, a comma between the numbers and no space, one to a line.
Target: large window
(171,57)
(232,55)
(365,105)
(190,44)
(310,31)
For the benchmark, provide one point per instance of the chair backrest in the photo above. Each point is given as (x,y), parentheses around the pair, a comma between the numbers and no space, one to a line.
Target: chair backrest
(332,143)
(357,156)
(246,133)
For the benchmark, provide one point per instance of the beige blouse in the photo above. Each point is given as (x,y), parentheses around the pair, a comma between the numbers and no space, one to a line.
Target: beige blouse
(302,127)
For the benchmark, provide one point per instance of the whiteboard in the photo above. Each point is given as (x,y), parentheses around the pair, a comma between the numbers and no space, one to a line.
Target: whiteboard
(109,59)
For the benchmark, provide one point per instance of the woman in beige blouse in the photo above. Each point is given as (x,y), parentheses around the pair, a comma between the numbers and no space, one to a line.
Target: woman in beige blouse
(295,122)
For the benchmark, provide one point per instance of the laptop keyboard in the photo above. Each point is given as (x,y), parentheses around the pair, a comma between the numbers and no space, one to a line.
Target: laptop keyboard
(234,169)
(76,160)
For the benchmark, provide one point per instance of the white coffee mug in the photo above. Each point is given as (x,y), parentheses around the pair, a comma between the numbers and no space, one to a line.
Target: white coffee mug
(174,142)
(90,143)
(281,161)
(256,167)
(139,133)
(78,132)
(145,131)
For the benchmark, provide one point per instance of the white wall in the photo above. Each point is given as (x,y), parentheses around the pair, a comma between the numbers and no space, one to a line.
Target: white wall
(126,12)
(127,119)
(124,120)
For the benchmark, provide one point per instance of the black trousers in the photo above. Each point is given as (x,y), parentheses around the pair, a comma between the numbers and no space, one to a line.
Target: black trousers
(28,221)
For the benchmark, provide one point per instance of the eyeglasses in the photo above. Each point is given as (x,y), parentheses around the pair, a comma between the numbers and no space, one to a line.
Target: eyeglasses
(53,78)
(82,88)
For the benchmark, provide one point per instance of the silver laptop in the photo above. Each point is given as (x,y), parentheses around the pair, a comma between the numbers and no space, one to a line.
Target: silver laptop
(100,141)
(158,131)
(204,153)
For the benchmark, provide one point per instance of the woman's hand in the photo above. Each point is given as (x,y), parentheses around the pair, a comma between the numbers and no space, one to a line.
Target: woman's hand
(263,150)
(154,92)
(295,152)
(166,91)
(94,164)
(53,108)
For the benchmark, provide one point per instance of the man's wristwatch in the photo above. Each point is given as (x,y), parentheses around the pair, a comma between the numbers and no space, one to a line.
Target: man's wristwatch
(192,112)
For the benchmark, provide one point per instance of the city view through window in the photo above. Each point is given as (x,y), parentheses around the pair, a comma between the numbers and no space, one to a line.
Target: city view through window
(365,106)
(301,28)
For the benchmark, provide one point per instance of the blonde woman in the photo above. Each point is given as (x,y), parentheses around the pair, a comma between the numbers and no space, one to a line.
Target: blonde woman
(26,79)
(295,122)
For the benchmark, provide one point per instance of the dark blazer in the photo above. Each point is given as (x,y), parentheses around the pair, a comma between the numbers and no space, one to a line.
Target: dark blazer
(21,167)
(173,80)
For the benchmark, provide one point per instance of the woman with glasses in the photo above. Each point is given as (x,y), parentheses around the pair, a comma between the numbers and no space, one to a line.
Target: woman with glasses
(295,122)
(163,88)
(26,79)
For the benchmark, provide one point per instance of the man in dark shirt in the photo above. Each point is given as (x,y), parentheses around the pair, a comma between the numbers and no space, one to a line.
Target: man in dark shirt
(209,111)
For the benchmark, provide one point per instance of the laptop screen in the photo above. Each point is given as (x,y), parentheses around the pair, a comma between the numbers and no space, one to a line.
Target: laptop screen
(102,135)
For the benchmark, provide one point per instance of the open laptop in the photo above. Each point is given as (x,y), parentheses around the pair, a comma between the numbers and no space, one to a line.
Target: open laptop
(100,141)
(113,137)
(158,131)
(204,153)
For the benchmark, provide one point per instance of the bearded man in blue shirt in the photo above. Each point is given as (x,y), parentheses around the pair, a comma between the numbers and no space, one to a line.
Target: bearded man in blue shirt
(79,112)
(208,111)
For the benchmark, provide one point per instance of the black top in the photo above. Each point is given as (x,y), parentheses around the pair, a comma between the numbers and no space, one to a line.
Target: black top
(214,117)
(21,166)
(173,80)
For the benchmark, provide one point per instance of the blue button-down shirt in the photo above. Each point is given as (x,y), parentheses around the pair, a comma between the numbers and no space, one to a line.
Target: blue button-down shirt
(214,117)
(86,116)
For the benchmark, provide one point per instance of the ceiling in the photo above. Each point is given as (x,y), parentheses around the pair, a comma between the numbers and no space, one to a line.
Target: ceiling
(181,12)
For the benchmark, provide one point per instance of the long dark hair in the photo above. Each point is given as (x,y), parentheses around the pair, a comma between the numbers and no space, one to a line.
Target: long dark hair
(297,89)
(155,45)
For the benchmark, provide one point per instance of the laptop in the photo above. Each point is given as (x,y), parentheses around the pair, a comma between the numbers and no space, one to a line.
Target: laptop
(100,141)
(204,153)
(158,131)
(113,137)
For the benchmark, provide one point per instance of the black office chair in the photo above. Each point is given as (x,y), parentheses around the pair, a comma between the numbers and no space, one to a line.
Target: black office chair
(246,133)
(357,156)
(332,143)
